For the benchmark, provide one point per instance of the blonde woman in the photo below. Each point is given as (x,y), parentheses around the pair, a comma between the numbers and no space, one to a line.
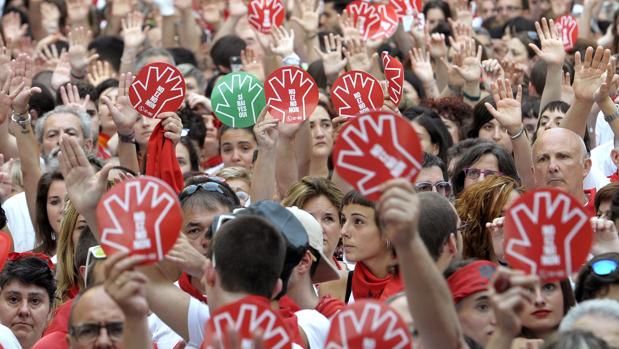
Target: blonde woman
(68,279)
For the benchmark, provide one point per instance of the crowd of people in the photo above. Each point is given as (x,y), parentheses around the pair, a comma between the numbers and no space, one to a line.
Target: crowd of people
(502,99)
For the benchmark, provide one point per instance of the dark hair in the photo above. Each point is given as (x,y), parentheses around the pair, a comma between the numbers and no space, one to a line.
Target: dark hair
(614,208)
(317,71)
(437,221)
(104,85)
(538,76)
(453,109)
(194,159)
(263,252)
(86,241)
(473,154)
(224,128)
(30,271)
(210,200)
(606,193)
(109,48)
(225,47)
(517,25)
(45,235)
(481,116)
(551,106)
(615,46)
(430,160)
(182,55)
(193,122)
(530,107)
(83,89)
(439,4)
(2,217)
(429,119)
(41,102)
(576,339)
(589,285)
(526,38)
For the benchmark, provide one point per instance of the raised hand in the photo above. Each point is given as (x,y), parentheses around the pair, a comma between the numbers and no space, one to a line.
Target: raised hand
(491,71)
(7,96)
(5,179)
(349,30)
(99,72)
(552,51)
(436,45)
(196,99)
(70,97)
(282,41)
(50,55)
(23,70)
(605,238)
(62,72)
(84,187)
(5,59)
(468,61)
(186,257)
(78,43)
(12,28)
(357,56)
(77,11)
(266,131)
(125,285)
(609,87)
(310,15)
(420,63)
(508,110)
(121,7)
(332,59)
(172,126)
(464,14)
(237,8)
(398,211)
(251,64)
(123,114)
(132,33)
(588,74)
(461,31)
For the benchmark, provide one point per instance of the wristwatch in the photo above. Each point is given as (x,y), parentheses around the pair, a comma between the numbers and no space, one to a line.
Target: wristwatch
(613,116)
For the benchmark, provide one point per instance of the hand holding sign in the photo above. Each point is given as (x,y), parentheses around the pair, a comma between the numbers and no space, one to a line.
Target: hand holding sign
(394,73)
(291,94)
(368,325)
(374,148)
(547,233)
(140,215)
(356,92)
(238,99)
(264,15)
(247,316)
(158,88)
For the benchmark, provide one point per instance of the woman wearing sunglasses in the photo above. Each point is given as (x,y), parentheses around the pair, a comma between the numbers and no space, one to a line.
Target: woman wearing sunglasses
(599,278)
(479,204)
(479,162)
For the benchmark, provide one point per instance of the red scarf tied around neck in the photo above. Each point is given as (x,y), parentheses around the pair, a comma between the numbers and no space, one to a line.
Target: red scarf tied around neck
(161,159)
(366,285)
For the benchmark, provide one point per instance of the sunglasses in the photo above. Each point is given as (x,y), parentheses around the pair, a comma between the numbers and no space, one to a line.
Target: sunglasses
(604,267)
(213,185)
(474,173)
(442,187)
(94,253)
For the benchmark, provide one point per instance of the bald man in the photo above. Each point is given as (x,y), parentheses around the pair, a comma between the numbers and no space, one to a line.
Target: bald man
(560,160)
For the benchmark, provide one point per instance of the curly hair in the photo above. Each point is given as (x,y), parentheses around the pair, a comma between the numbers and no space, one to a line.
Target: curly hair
(478,205)
(453,109)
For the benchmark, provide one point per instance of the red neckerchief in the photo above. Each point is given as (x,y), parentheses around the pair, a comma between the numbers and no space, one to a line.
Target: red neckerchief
(287,302)
(103,151)
(60,321)
(366,285)
(329,306)
(614,177)
(338,265)
(161,159)
(73,291)
(184,282)
(211,162)
(290,319)
(590,205)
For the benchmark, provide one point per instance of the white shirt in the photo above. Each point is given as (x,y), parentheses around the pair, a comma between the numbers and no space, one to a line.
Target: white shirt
(7,338)
(163,336)
(19,223)
(315,325)
(600,158)
(199,313)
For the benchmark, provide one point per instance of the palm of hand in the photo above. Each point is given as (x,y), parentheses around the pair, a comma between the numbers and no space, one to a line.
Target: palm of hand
(237,8)
(83,188)
(332,63)
(438,50)
(510,112)
(283,48)
(587,83)
(124,115)
(310,21)
(470,69)
(133,37)
(351,33)
(454,77)
(77,54)
(553,51)
(423,70)
(360,61)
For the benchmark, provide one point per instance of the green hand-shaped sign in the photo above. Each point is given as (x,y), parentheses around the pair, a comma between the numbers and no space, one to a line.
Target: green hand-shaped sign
(238,99)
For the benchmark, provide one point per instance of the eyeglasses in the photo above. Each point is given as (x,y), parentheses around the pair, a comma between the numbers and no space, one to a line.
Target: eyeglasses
(508,8)
(86,333)
(97,253)
(474,173)
(440,186)
(212,186)
(604,267)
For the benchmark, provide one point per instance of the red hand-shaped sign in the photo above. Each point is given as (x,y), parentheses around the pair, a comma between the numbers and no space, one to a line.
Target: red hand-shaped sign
(247,318)
(291,94)
(356,92)
(406,7)
(547,232)
(5,247)
(140,215)
(374,148)
(158,88)
(264,15)
(374,21)
(394,73)
(568,30)
(369,325)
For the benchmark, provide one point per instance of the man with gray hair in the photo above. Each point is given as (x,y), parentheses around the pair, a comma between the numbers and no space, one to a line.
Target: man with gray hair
(598,316)
(62,120)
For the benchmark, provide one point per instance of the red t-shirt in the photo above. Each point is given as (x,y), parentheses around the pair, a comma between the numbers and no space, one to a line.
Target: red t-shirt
(60,321)
(54,340)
